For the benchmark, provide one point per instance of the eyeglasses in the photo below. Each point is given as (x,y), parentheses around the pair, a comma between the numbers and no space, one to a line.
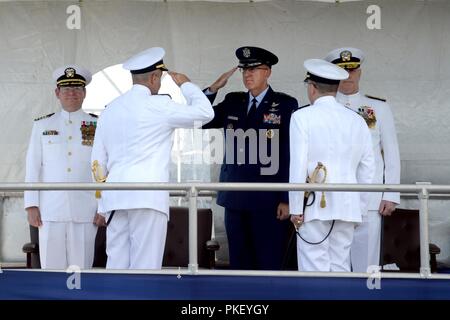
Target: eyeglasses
(252,70)
(71,89)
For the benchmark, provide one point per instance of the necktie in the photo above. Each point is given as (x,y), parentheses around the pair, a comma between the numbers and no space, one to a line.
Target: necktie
(252,113)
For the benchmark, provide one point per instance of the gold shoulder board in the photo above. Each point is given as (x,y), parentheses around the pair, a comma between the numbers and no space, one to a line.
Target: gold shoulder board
(43,117)
(376,98)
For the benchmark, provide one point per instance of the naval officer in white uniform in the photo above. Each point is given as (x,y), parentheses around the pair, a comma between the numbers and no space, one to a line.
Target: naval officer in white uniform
(329,144)
(60,151)
(376,112)
(133,144)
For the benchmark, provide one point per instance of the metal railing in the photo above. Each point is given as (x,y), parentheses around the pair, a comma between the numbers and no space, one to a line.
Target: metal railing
(194,190)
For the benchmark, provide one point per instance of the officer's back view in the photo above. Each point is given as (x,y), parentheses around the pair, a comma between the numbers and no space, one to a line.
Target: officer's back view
(133,144)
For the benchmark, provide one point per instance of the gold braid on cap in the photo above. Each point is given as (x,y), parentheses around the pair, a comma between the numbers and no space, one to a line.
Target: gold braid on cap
(313,179)
(349,65)
(98,176)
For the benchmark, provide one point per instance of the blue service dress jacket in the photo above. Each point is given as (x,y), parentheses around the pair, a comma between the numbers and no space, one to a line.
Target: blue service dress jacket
(264,159)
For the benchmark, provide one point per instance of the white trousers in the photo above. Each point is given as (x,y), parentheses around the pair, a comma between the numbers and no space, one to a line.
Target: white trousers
(135,239)
(333,254)
(365,249)
(63,244)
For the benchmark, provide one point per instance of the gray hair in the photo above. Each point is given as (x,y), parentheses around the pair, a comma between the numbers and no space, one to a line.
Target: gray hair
(326,88)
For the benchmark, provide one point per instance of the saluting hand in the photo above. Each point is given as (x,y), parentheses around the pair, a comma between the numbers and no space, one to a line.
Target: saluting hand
(34,216)
(222,81)
(178,78)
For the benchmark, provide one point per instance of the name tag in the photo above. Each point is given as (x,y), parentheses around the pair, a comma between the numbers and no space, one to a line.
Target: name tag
(50,133)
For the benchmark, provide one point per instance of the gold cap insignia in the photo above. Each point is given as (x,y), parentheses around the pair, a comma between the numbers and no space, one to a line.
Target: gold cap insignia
(70,72)
(346,55)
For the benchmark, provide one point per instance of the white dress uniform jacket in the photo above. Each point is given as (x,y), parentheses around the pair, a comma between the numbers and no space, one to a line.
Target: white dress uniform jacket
(385,145)
(56,154)
(134,139)
(328,132)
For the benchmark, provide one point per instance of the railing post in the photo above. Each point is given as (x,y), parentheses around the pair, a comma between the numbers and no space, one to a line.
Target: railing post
(425,270)
(193,256)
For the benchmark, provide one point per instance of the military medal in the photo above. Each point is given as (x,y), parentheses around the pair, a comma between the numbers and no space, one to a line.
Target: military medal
(368,115)
(272,118)
(88,132)
(270,133)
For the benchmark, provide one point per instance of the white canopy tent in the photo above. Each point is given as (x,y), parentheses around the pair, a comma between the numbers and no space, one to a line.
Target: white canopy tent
(407,62)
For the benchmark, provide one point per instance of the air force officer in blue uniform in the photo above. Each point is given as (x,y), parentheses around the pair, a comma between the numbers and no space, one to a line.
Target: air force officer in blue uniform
(256,127)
